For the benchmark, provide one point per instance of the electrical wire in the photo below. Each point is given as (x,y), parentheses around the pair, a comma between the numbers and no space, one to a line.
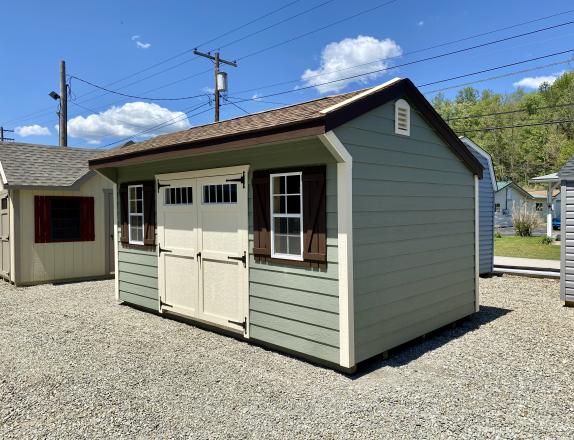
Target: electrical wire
(508,112)
(235,105)
(503,127)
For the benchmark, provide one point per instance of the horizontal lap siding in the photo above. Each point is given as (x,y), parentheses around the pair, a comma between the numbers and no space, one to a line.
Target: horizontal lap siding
(295,308)
(413,231)
(486,211)
(568,246)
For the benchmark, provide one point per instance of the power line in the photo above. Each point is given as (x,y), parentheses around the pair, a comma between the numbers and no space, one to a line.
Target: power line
(236,105)
(508,112)
(503,127)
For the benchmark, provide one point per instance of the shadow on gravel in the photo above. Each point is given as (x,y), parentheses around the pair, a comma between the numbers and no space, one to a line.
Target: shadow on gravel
(408,352)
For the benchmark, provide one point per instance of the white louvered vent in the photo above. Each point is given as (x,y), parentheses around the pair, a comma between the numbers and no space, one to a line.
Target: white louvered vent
(402,118)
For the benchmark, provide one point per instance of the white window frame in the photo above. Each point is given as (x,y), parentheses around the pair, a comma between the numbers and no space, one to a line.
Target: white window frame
(274,216)
(136,214)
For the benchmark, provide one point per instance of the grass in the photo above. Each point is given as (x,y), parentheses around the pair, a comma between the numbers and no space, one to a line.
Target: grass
(525,247)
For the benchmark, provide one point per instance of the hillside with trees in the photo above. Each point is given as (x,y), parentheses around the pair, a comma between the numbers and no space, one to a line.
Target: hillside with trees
(518,129)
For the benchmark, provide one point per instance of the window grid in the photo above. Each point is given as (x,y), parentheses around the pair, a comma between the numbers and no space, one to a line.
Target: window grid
(219,194)
(286,216)
(136,215)
(182,195)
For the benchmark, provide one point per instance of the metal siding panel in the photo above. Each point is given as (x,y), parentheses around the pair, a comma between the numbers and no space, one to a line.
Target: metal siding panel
(411,275)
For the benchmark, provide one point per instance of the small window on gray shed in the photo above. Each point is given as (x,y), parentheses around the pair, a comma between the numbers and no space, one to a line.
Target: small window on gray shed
(402,118)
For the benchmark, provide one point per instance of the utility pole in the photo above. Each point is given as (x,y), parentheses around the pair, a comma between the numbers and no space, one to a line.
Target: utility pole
(63,106)
(217,89)
(4,130)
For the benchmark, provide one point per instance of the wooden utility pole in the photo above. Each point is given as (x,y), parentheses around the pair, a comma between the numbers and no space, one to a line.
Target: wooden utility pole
(63,106)
(216,62)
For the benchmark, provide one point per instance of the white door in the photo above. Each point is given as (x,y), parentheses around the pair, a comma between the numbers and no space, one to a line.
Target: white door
(177,245)
(203,246)
(5,235)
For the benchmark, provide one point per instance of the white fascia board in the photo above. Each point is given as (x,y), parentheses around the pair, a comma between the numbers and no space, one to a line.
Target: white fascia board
(3,175)
(345,247)
(360,96)
(476,245)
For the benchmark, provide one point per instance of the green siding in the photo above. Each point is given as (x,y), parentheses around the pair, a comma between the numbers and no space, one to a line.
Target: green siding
(295,308)
(413,231)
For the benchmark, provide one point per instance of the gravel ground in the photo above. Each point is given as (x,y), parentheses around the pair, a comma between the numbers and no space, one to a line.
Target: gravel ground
(73,364)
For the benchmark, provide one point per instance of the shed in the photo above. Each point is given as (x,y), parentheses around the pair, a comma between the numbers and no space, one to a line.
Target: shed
(335,229)
(508,196)
(566,177)
(56,215)
(487,189)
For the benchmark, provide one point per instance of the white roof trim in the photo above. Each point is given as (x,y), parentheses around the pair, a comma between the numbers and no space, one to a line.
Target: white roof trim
(484,154)
(4,180)
(360,95)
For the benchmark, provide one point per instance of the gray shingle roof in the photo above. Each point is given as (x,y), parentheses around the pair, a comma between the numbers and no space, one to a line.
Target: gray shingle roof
(44,166)
(567,171)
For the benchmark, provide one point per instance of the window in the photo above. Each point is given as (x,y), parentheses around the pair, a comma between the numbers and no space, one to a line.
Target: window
(136,214)
(286,216)
(63,219)
(179,195)
(219,194)
(497,207)
(402,118)
(4,203)
(540,206)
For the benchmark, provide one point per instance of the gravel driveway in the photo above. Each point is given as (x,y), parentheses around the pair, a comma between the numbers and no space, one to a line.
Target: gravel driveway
(73,364)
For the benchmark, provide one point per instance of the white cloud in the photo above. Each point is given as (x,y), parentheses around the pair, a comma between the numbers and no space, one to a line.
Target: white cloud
(141,45)
(421,23)
(338,59)
(126,120)
(534,82)
(135,37)
(32,130)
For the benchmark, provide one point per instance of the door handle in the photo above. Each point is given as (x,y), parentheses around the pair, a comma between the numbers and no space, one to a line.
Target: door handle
(243,259)
(198,256)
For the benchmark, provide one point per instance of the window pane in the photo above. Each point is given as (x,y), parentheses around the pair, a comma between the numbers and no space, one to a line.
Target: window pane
(132,193)
(205,194)
(219,193)
(189,194)
(139,192)
(293,204)
(233,193)
(65,216)
(278,185)
(293,184)
(139,206)
(226,193)
(212,196)
(133,206)
(294,226)
(280,225)
(280,244)
(279,204)
(294,245)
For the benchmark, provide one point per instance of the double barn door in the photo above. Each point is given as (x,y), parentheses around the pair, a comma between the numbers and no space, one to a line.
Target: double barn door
(202,246)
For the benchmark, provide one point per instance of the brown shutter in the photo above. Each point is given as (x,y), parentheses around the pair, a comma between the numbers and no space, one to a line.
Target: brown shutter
(314,215)
(149,212)
(87,219)
(261,215)
(125,234)
(41,219)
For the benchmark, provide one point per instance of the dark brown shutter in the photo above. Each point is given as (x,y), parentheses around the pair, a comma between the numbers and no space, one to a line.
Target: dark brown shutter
(41,219)
(261,215)
(314,215)
(149,212)
(125,233)
(87,219)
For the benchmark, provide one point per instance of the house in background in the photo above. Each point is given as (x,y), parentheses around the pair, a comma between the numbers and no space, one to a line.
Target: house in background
(56,216)
(487,189)
(508,196)
(334,229)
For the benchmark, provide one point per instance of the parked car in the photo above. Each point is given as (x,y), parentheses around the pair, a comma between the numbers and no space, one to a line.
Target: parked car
(556,224)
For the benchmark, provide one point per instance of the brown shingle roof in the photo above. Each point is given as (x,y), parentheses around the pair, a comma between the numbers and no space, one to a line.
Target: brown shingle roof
(305,111)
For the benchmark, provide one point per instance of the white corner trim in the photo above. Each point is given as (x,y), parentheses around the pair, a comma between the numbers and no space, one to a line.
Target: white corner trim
(563,243)
(345,247)
(360,95)
(3,175)
(116,243)
(476,245)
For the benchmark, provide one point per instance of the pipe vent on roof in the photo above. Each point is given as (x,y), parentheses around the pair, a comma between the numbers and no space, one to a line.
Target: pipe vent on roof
(402,118)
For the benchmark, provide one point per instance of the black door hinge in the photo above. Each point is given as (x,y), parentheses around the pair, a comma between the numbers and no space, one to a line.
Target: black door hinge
(162,185)
(161,304)
(238,179)
(243,259)
(160,249)
(240,323)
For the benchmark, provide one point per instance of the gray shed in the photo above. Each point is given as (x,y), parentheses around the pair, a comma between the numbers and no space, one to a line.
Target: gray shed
(566,176)
(487,189)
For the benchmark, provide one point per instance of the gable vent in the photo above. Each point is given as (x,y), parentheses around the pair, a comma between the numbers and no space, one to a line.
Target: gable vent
(402,118)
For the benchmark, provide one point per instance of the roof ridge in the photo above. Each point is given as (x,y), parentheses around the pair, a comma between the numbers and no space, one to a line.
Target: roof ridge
(52,147)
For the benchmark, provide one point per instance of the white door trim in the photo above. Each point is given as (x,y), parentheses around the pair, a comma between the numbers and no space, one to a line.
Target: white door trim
(345,247)
(214,172)
(476,244)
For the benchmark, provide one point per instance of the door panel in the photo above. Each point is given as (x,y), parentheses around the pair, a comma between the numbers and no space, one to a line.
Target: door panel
(180,283)
(5,235)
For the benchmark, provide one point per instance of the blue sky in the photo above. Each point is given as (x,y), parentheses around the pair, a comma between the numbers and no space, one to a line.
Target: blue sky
(105,41)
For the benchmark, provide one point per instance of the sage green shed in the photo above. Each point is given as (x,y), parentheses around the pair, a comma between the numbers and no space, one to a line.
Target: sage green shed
(335,229)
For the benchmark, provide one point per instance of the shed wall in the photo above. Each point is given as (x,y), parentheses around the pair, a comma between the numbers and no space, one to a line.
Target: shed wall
(413,231)
(486,222)
(295,308)
(567,256)
(42,262)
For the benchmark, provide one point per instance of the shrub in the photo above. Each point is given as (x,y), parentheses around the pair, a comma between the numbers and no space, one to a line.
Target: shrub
(546,240)
(524,220)
(497,234)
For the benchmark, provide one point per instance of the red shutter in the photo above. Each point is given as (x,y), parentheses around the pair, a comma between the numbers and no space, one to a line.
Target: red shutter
(87,219)
(261,215)
(149,212)
(314,215)
(42,219)
(125,235)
